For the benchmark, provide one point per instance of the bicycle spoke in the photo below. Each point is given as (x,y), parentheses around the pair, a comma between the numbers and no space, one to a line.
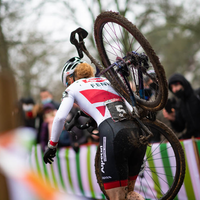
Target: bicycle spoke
(163,164)
(117,42)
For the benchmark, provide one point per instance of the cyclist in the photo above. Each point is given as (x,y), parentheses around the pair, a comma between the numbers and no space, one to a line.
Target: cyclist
(120,149)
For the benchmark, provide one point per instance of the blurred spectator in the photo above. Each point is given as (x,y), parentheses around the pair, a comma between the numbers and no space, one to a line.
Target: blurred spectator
(31,114)
(49,112)
(74,139)
(27,107)
(150,87)
(150,91)
(38,114)
(184,113)
(46,97)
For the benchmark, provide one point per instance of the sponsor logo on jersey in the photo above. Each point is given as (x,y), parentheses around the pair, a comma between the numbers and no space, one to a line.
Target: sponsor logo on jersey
(104,149)
(99,84)
(97,79)
(101,157)
(106,177)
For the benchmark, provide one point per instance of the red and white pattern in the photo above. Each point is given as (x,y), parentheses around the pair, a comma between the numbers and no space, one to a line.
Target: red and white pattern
(90,95)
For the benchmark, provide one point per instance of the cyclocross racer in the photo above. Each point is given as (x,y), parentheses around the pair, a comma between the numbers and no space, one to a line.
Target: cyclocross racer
(120,149)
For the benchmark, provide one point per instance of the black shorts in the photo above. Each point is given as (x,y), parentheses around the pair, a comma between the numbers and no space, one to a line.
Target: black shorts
(121,154)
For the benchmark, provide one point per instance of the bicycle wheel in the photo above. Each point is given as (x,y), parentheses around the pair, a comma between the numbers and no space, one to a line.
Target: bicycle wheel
(163,170)
(98,172)
(117,37)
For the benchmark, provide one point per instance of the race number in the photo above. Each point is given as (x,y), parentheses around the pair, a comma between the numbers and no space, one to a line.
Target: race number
(117,110)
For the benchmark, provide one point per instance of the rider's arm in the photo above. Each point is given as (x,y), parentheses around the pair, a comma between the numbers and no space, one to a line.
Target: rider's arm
(59,120)
(57,127)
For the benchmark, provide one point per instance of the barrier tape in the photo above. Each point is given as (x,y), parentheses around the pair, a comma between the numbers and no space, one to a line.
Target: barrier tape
(75,173)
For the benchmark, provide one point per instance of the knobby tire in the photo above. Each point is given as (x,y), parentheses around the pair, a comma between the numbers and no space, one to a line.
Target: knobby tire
(166,135)
(110,19)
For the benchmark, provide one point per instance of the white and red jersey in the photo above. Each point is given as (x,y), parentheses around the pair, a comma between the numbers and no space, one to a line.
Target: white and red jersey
(90,94)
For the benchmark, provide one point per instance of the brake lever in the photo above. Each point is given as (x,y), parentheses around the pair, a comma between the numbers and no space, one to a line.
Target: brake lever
(82,34)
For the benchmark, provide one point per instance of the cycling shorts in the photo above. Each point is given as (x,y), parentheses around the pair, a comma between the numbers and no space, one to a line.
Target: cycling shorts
(121,153)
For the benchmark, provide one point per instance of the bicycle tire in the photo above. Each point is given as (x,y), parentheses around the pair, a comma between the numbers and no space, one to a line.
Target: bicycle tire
(104,26)
(98,172)
(174,177)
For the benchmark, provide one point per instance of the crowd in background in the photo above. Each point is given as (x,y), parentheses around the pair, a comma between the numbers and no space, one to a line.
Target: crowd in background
(39,116)
(181,114)
(182,111)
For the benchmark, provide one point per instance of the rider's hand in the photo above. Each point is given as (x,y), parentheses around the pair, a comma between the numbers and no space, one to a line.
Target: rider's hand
(169,116)
(50,153)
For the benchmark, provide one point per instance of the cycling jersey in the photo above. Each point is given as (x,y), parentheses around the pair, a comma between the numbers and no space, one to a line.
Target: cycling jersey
(93,96)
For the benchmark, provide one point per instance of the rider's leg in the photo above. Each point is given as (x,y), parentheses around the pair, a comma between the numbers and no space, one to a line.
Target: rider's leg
(131,185)
(118,193)
(132,195)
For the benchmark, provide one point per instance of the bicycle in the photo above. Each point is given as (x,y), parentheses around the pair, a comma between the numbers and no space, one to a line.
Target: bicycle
(122,65)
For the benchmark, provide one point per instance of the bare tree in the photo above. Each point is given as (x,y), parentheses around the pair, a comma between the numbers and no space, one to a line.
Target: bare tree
(4,57)
(170,29)
(27,53)
(173,30)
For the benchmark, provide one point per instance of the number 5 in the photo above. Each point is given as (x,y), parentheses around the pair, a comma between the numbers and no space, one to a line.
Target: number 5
(120,109)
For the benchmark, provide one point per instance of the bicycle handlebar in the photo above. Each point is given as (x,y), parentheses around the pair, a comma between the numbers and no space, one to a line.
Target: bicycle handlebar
(80,47)
(82,33)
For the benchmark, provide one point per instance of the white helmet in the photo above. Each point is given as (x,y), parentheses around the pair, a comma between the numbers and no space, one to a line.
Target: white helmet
(69,68)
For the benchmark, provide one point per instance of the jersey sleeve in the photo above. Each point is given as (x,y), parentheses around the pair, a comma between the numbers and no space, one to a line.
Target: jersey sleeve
(61,115)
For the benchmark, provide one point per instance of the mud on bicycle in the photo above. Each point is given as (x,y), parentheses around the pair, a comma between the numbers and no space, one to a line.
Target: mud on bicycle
(126,58)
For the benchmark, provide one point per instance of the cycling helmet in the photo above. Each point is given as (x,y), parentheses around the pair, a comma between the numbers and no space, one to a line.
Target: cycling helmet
(69,68)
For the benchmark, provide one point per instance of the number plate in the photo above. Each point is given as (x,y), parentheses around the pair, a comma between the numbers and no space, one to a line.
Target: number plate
(117,109)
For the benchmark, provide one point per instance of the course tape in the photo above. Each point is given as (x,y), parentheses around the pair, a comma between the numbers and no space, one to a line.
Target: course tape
(75,173)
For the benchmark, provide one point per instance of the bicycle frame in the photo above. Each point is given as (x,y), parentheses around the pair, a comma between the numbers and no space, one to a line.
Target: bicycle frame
(135,60)
(133,66)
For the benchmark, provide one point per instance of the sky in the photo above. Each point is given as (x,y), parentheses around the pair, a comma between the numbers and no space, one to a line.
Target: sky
(54,18)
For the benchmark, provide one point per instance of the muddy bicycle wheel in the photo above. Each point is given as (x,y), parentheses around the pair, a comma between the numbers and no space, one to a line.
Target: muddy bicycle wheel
(98,172)
(115,37)
(163,170)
